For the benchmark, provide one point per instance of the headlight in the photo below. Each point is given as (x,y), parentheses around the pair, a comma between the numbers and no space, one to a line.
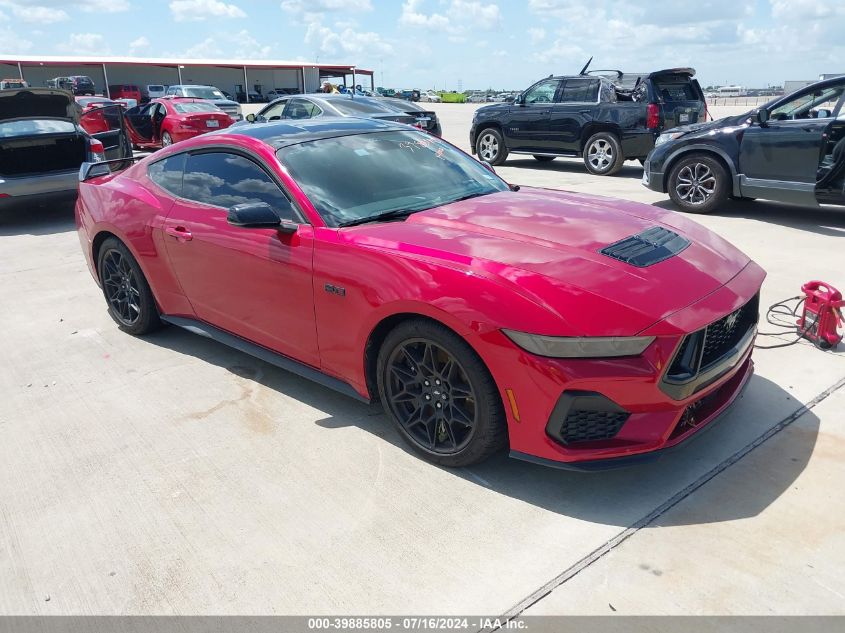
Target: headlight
(669,136)
(580,346)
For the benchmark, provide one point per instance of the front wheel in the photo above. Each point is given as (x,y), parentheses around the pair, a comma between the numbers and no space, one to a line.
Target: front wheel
(166,139)
(699,184)
(440,395)
(603,154)
(128,295)
(490,147)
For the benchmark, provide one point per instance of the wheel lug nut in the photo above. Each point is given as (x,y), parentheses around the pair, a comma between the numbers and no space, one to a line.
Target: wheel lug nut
(426,383)
(443,396)
(427,396)
(439,405)
(436,382)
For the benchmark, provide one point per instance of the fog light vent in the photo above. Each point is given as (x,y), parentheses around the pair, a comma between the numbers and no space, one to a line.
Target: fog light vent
(585,416)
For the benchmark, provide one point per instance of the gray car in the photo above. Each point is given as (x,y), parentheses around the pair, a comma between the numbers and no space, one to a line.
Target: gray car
(44,141)
(207,93)
(310,106)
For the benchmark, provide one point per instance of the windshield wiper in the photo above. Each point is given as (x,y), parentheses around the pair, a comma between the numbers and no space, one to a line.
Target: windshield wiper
(396,214)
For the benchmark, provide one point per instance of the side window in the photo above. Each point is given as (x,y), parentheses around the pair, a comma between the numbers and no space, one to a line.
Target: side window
(543,92)
(298,109)
(223,180)
(274,111)
(818,104)
(581,91)
(167,173)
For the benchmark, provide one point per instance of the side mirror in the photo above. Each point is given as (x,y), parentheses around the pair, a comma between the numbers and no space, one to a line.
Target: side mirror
(254,215)
(762,116)
(250,117)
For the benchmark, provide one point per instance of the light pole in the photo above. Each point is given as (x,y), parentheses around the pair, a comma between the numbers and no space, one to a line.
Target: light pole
(179,70)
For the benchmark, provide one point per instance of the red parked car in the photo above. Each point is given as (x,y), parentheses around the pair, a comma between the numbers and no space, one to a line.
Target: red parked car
(387,264)
(165,121)
(126,91)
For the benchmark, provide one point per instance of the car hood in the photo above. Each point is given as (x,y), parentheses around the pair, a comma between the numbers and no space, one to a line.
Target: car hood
(729,122)
(33,103)
(546,244)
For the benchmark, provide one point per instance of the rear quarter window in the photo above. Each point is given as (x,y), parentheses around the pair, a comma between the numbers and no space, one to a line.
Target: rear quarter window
(167,173)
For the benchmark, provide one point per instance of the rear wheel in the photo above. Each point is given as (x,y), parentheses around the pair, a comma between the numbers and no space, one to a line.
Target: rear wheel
(603,154)
(490,146)
(544,159)
(440,395)
(698,184)
(128,295)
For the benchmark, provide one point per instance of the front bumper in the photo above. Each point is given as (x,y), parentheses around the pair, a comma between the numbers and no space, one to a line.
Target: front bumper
(648,418)
(652,179)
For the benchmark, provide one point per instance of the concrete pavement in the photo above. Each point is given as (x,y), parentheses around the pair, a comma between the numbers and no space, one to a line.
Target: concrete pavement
(171,475)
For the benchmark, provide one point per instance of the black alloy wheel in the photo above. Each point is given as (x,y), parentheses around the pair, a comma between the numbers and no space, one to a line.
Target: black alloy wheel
(440,395)
(128,295)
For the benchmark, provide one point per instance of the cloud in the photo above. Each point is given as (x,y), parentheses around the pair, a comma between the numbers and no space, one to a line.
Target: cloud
(198,10)
(348,40)
(12,41)
(84,44)
(104,6)
(459,16)
(238,45)
(537,35)
(34,14)
(326,6)
(139,44)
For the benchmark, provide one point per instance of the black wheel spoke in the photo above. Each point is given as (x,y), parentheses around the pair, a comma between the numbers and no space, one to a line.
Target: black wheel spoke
(429,393)
(121,287)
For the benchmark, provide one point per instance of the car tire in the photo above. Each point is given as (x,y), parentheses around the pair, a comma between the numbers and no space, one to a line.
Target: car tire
(698,184)
(603,154)
(440,395)
(544,159)
(166,139)
(490,146)
(128,296)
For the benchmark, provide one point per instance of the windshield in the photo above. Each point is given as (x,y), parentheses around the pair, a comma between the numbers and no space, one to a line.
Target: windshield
(26,127)
(204,93)
(353,177)
(195,107)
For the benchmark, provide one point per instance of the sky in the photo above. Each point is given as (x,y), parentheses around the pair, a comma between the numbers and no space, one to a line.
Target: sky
(453,44)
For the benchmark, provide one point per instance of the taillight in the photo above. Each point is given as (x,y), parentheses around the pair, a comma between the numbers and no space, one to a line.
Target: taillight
(652,121)
(97,149)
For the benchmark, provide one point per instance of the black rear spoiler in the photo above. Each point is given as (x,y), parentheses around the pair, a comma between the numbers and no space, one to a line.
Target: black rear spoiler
(673,71)
(87,171)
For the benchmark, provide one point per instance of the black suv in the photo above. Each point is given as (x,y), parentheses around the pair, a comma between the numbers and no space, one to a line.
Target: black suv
(606,117)
(79,85)
(790,150)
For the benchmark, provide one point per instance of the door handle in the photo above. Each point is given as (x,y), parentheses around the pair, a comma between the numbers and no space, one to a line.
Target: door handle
(179,232)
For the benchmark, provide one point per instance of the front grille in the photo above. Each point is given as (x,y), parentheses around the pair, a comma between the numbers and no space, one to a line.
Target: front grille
(590,426)
(645,249)
(708,346)
(721,336)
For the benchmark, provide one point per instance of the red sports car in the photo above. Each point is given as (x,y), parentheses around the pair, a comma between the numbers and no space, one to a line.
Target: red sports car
(162,122)
(387,264)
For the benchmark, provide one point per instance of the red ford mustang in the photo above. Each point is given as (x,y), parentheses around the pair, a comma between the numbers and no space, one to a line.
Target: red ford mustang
(162,122)
(387,264)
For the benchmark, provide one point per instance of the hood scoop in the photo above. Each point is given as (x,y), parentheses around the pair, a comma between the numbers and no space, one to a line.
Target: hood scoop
(647,248)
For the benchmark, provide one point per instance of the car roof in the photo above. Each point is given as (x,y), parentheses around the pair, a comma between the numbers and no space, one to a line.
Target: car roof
(278,134)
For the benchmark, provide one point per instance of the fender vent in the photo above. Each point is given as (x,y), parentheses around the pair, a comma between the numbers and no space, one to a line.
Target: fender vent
(647,248)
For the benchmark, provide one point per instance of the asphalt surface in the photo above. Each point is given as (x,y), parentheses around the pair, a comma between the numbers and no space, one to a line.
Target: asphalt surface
(171,475)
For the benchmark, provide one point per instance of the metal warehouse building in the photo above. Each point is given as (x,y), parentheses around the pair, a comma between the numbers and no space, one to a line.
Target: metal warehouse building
(230,75)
